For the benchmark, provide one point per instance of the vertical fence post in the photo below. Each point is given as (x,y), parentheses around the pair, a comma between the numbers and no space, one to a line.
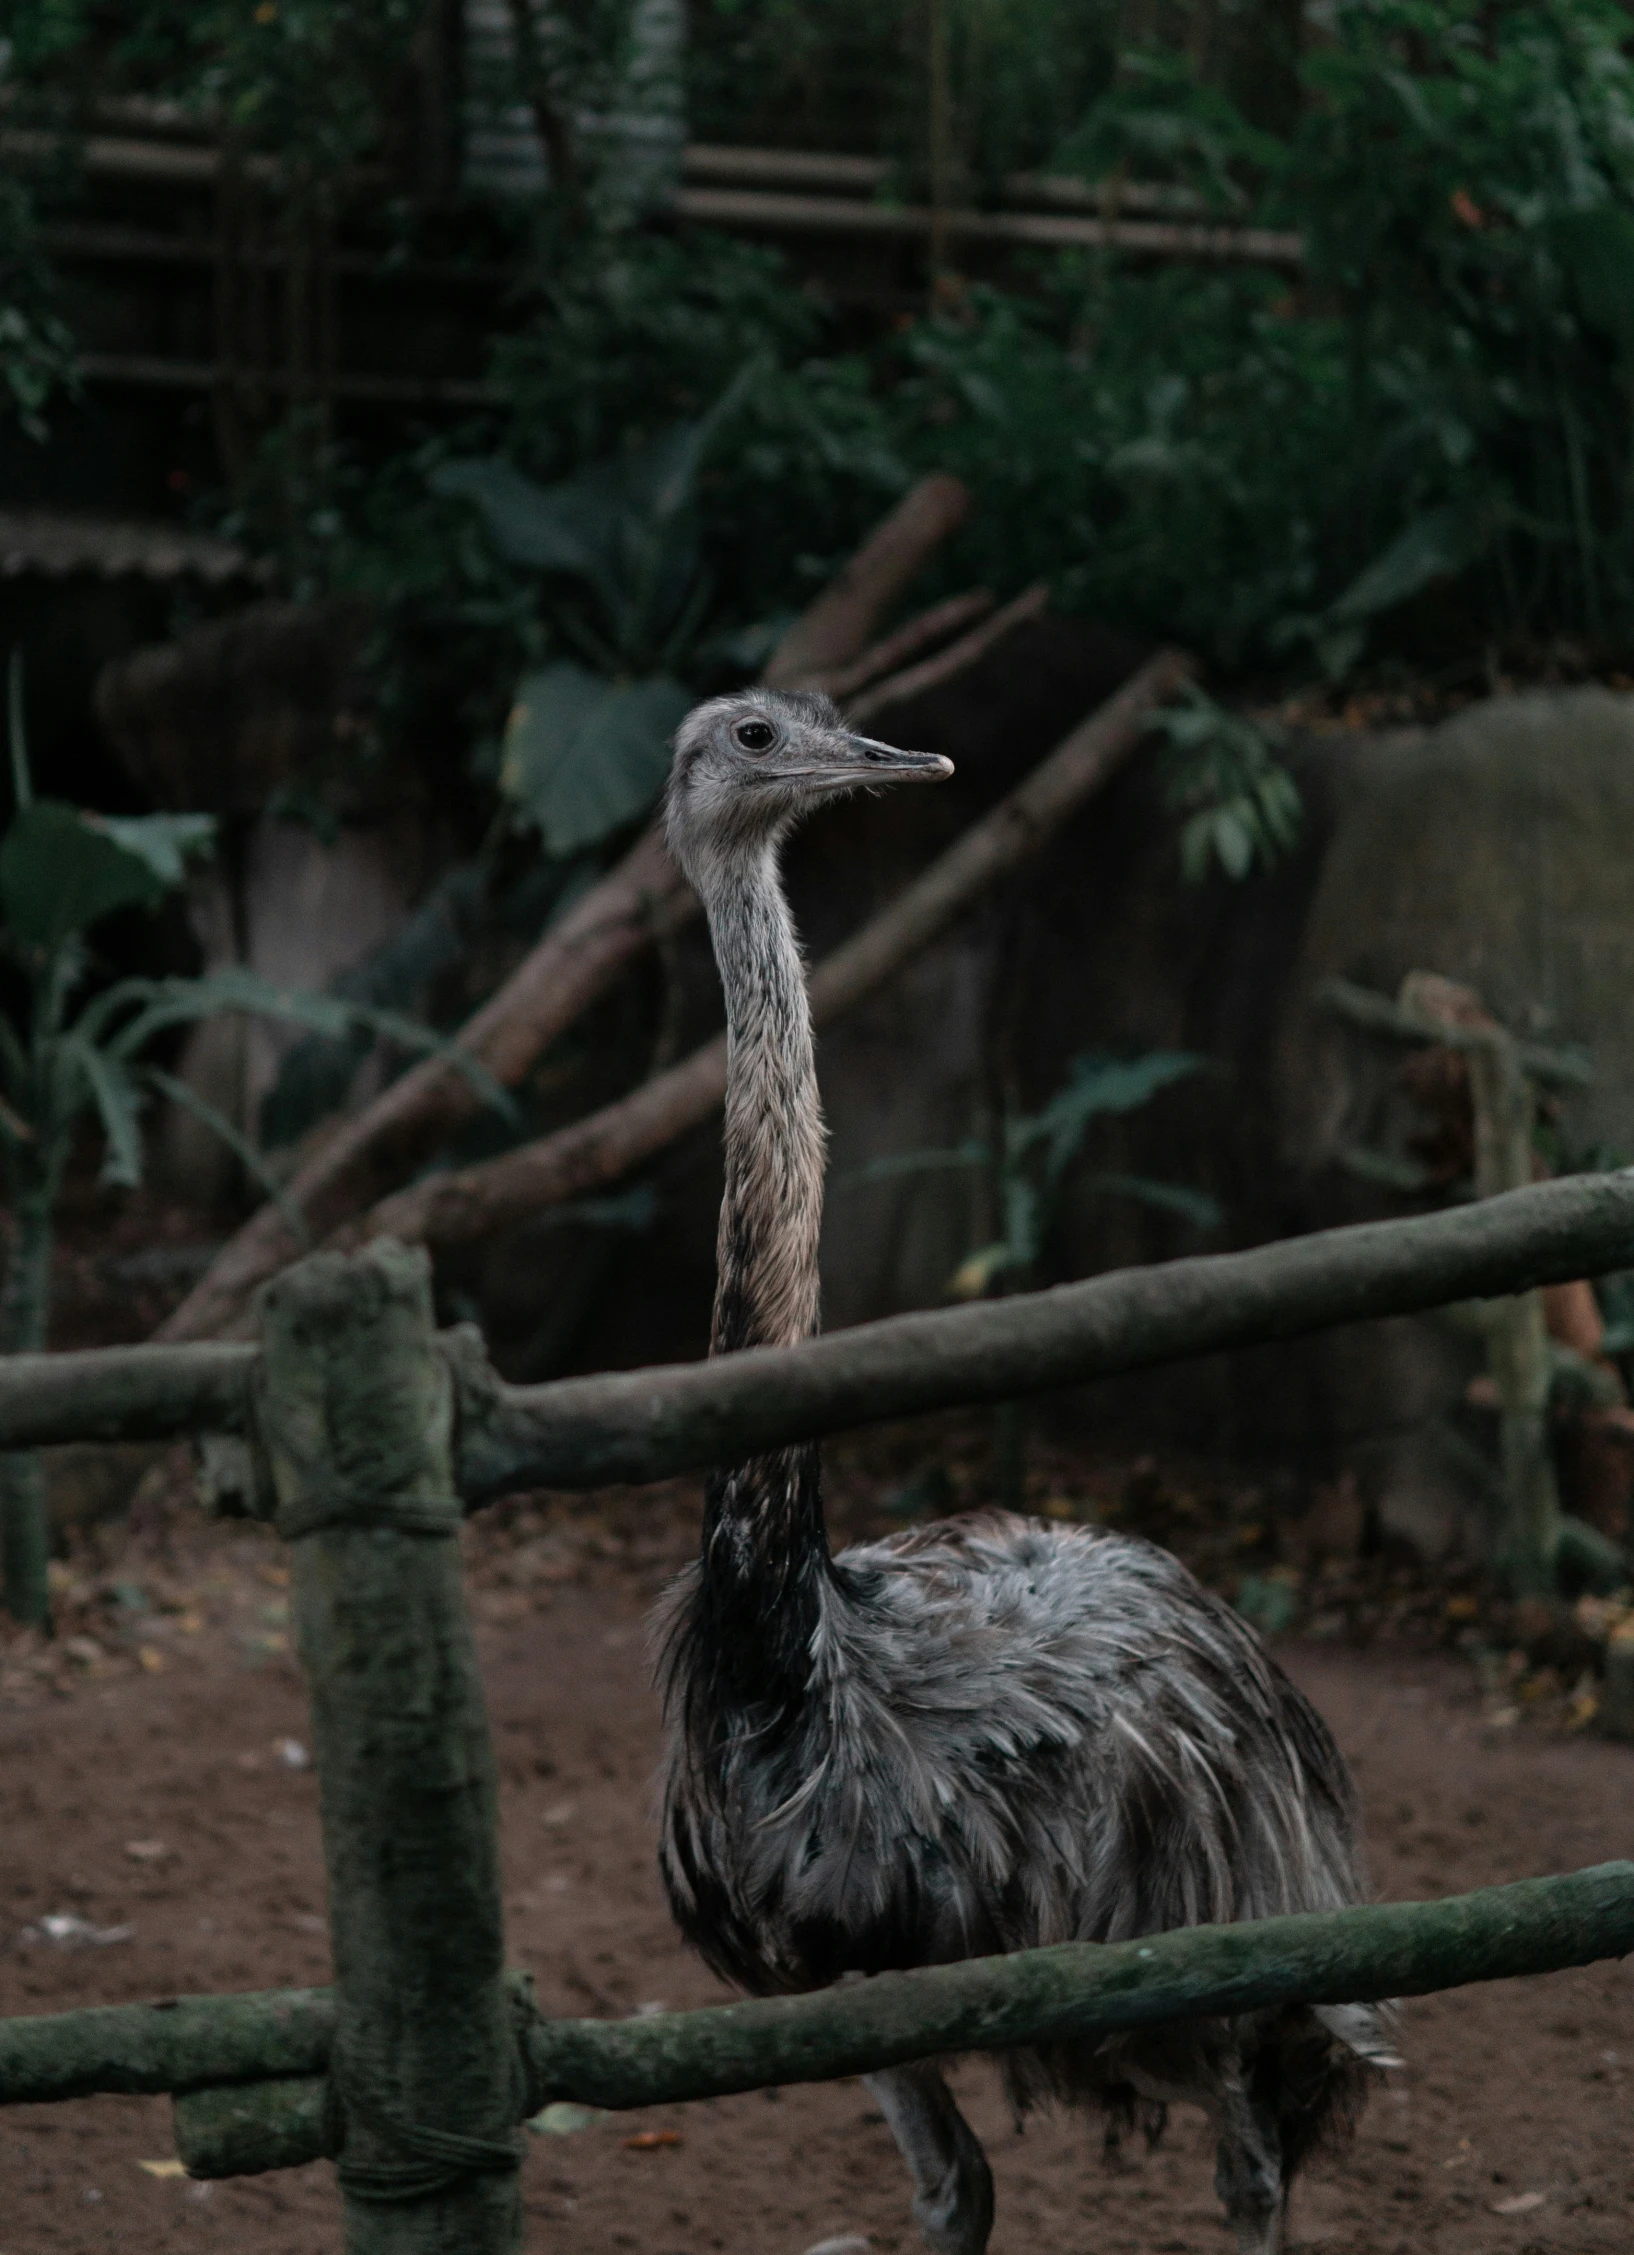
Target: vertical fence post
(354,1413)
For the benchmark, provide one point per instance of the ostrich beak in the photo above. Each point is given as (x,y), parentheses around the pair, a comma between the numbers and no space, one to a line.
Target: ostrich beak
(887,763)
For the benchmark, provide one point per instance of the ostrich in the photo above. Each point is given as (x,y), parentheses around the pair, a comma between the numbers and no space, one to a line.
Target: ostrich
(980,1735)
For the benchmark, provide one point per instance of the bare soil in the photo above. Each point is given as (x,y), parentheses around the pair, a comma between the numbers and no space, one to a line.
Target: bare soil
(152,1776)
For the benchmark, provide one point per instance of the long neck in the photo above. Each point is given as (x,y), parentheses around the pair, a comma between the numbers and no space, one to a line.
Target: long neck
(771,1215)
(765,1553)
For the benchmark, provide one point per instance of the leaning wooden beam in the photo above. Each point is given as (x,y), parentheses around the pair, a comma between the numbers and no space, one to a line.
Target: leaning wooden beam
(468,1202)
(1075,1992)
(948,664)
(561,976)
(647,1424)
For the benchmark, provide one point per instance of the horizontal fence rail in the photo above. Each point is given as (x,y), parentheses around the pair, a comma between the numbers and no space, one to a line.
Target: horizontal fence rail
(649,1424)
(367,1429)
(249,2071)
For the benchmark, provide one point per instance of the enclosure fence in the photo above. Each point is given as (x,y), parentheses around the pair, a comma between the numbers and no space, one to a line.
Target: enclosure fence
(362,1436)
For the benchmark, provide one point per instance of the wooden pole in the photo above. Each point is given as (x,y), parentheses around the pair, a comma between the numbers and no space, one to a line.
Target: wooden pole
(1527,1537)
(354,1413)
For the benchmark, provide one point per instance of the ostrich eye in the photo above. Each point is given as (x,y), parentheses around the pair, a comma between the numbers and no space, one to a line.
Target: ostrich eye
(754,735)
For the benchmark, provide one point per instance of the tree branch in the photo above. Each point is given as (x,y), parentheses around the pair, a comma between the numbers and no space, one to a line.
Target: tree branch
(948,664)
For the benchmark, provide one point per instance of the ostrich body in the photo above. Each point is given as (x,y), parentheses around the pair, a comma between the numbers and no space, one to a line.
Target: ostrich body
(978,1736)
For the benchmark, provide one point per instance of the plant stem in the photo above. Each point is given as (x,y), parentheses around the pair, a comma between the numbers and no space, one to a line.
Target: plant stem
(25,1302)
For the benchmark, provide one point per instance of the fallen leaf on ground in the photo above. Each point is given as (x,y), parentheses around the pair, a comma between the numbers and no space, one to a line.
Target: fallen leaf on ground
(563,2118)
(68,1929)
(153,1660)
(645,2140)
(1519,2204)
(163,2168)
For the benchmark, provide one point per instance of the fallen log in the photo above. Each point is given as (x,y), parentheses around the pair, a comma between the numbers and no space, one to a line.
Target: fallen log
(367,1156)
(468,1202)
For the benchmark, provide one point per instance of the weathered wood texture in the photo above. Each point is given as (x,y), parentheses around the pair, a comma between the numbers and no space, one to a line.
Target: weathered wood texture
(1076,1991)
(648,1424)
(355,1412)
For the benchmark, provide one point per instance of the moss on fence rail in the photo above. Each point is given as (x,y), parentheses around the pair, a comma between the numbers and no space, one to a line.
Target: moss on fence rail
(270,2050)
(648,1424)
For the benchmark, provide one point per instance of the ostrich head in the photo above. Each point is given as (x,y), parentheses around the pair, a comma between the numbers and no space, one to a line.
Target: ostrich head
(748,766)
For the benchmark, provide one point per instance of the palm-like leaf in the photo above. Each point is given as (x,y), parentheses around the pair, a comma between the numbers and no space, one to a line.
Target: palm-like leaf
(189,1100)
(118,1100)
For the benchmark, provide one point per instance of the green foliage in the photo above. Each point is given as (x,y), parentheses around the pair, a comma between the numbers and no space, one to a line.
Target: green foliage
(36,350)
(1158,445)
(584,756)
(1221,772)
(635,334)
(618,552)
(1035,1153)
(1427,444)
(1465,178)
(851,74)
(310,81)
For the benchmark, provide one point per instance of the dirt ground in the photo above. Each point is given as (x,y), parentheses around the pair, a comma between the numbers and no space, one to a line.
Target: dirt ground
(154,1783)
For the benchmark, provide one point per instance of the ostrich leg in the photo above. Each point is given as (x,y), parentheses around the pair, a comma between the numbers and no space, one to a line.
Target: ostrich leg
(1248,2171)
(953,2186)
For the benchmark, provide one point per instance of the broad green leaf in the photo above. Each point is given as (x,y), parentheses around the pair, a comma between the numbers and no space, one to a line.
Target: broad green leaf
(584,756)
(176,1002)
(962,1156)
(560,528)
(1099,1084)
(163,841)
(61,872)
(1233,842)
(189,1100)
(1433,546)
(1195,1206)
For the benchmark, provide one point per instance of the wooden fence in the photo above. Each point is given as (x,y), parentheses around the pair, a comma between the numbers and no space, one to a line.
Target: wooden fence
(362,1435)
